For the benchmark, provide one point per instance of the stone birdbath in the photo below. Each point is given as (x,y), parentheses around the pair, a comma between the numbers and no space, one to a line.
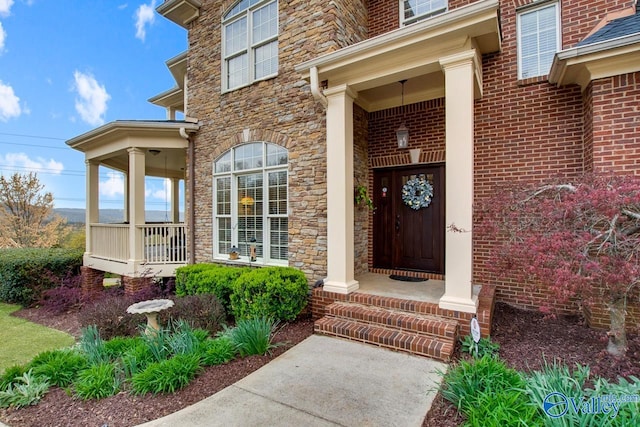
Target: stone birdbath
(150,308)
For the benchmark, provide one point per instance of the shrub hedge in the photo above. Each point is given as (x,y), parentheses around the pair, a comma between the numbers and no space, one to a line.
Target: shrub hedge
(205,278)
(26,273)
(276,292)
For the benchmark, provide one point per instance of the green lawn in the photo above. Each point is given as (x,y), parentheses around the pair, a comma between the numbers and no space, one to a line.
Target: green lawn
(21,340)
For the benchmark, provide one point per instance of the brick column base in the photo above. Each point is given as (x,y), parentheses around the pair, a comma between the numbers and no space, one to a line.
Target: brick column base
(92,282)
(134,285)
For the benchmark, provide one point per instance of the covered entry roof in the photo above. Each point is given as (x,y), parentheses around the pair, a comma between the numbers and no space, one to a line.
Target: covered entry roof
(373,67)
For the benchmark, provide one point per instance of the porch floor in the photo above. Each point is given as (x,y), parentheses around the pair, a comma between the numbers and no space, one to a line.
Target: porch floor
(380,284)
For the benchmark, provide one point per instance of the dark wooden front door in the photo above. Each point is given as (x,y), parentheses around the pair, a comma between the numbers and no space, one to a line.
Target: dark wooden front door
(405,238)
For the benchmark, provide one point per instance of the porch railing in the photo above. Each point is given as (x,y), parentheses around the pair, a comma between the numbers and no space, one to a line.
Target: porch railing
(161,243)
(164,243)
(110,241)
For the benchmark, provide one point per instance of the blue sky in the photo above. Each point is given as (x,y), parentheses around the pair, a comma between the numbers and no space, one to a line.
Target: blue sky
(69,66)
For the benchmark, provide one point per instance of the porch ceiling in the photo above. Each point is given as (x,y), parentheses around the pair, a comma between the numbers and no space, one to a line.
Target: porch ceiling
(108,145)
(373,67)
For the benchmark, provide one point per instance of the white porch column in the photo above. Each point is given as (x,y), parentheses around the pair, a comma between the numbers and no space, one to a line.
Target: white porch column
(92,213)
(459,71)
(125,208)
(136,206)
(175,200)
(340,217)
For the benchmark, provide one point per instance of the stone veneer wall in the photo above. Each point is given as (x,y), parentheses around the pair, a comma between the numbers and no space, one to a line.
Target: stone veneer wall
(280,110)
(362,214)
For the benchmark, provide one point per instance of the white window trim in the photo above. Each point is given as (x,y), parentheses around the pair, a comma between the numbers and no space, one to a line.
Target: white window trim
(405,22)
(266,217)
(250,47)
(533,7)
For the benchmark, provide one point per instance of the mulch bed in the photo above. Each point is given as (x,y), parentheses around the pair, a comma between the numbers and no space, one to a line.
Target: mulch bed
(526,340)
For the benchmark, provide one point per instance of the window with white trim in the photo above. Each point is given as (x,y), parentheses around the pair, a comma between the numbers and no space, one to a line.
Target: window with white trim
(249,43)
(538,40)
(414,10)
(250,200)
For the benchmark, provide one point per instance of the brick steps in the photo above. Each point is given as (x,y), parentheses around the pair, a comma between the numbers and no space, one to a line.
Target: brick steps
(416,333)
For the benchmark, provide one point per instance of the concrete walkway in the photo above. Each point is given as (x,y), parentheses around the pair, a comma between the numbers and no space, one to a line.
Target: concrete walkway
(322,382)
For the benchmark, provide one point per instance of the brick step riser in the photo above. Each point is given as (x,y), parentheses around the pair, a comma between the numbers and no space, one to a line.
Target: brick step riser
(395,340)
(404,322)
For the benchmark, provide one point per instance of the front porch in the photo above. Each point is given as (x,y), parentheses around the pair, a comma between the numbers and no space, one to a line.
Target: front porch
(440,60)
(136,248)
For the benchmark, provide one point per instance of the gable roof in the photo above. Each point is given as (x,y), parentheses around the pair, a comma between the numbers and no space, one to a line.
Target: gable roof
(621,27)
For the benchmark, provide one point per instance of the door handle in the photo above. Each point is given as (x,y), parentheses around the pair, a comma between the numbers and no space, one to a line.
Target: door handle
(397,222)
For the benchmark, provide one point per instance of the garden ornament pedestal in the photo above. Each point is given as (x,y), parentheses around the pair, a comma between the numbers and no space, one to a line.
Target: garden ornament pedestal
(150,308)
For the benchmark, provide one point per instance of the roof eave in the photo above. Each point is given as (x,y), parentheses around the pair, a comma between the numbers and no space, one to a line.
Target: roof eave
(581,64)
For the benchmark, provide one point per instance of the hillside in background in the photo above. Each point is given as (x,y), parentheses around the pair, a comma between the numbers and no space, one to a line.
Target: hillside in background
(77,216)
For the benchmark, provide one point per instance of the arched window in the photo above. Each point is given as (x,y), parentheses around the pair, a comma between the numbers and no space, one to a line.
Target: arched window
(250,43)
(250,200)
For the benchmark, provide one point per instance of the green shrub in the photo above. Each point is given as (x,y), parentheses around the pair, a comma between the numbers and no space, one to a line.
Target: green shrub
(136,359)
(463,383)
(93,346)
(559,378)
(10,375)
(253,336)
(277,292)
(60,367)
(485,347)
(507,407)
(183,339)
(26,273)
(158,344)
(25,390)
(218,351)
(166,376)
(116,347)
(213,279)
(629,412)
(97,382)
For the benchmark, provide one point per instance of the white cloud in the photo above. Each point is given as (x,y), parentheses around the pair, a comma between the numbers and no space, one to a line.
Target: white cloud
(145,15)
(113,186)
(123,6)
(23,163)
(3,37)
(163,194)
(92,101)
(5,7)
(9,103)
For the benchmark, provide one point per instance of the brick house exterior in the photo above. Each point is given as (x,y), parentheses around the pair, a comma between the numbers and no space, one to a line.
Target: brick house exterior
(335,103)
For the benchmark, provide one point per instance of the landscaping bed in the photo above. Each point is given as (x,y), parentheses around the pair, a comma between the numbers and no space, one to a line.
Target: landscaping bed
(526,339)
(58,408)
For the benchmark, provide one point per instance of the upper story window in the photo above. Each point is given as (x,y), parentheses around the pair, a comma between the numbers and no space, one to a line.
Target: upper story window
(250,43)
(538,40)
(415,10)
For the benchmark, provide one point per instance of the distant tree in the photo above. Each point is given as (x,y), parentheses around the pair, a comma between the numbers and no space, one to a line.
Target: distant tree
(578,238)
(26,218)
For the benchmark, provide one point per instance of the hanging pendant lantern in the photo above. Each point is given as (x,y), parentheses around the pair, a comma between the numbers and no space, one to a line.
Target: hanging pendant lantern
(402,133)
